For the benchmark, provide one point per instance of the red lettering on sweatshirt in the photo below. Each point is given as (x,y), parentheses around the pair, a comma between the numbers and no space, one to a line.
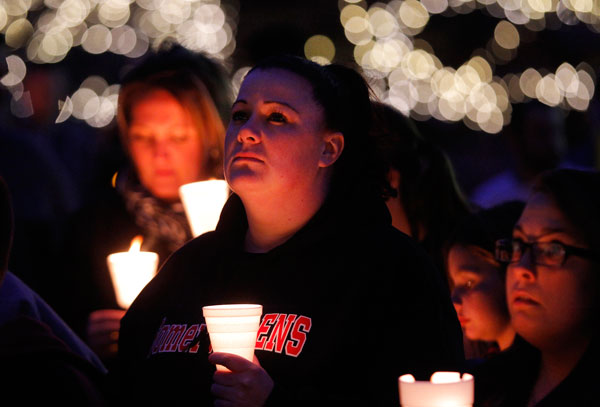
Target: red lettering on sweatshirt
(177,338)
(298,336)
(188,337)
(264,329)
(175,334)
(280,332)
(160,336)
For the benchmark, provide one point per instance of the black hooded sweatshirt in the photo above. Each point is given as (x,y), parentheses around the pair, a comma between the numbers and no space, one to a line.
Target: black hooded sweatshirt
(349,304)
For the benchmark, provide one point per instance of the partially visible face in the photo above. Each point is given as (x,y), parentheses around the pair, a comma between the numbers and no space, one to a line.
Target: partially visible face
(478,293)
(549,304)
(274,140)
(164,144)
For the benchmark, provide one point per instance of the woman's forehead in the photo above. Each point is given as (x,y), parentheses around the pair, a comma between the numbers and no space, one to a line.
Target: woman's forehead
(541,216)
(273,84)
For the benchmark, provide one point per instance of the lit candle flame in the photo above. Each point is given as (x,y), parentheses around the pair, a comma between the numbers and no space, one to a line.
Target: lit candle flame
(445,377)
(136,244)
(113,180)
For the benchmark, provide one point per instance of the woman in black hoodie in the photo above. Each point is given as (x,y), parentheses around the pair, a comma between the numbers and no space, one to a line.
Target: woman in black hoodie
(349,302)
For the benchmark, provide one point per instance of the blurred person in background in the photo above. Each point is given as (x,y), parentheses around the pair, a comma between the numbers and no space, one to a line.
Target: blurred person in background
(422,194)
(47,167)
(553,294)
(477,279)
(537,138)
(41,359)
(171,114)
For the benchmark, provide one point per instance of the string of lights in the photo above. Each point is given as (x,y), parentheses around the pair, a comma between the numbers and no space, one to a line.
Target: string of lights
(415,81)
(402,68)
(47,30)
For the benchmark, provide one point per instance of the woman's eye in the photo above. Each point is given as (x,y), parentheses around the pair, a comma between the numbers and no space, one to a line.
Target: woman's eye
(239,116)
(277,117)
(140,138)
(469,284)
(554,249)
(178,138)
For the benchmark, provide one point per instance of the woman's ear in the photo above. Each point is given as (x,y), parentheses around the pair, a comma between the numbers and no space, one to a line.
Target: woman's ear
(394,178)
(333,145)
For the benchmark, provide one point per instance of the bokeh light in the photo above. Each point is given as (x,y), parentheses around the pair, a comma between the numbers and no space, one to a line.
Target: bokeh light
(506,35)
(124,27)
(16,71)
(401,68)
(418,84)
(319,48)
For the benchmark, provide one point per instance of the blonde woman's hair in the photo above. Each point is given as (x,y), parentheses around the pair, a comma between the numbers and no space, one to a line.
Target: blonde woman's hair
(199,84)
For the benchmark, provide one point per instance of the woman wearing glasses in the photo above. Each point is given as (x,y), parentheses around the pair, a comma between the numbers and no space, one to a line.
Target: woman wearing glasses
(552,292)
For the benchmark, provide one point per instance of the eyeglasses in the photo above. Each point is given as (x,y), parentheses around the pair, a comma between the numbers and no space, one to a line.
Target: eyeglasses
(553,254)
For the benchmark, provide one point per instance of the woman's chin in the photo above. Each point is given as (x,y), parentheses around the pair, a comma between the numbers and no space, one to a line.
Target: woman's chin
(165,193)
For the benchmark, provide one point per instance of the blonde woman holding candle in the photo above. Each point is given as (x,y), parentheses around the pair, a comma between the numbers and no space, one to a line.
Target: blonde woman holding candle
(172,106)
(553,289)
(349,302)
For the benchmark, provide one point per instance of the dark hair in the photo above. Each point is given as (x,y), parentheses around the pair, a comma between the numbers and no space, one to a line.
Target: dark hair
(483,228)
(576,193)
(6,228)
(429,191)
(200,84)
(345,98)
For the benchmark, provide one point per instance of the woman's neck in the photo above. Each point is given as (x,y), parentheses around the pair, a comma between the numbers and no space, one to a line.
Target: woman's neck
(506,338)
(271,222)
(557,362)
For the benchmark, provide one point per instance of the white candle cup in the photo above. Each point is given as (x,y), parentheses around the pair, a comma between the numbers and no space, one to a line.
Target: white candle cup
(233,328)
(203,202)
(130,272)
(446,389)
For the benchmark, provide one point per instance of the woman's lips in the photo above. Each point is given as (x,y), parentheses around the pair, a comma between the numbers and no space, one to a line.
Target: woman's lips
(463,320)
(164,173)
(246,157)
(523,299)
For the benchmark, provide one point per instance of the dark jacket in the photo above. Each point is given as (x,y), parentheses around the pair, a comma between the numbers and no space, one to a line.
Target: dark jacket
(507,379)
(37,368)
(349,304)
(18,300)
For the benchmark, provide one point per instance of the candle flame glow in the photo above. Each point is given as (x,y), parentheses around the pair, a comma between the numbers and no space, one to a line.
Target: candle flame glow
(445,377)
(136,244)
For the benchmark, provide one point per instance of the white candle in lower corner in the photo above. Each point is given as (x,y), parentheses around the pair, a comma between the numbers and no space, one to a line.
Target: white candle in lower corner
(445,389)
(131,271)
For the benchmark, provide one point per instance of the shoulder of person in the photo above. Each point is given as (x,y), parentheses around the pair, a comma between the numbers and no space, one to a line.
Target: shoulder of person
(193,257)
(392,245)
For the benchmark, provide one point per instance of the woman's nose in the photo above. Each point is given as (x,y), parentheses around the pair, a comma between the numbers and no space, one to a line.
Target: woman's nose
(249,133)
(456,297)
(525,268)
(161,148)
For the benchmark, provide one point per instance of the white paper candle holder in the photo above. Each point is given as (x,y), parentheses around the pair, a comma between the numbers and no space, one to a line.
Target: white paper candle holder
(232,328)
(445,389)
(203,202)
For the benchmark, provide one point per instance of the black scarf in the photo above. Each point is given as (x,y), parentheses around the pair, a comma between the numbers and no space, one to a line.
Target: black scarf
(160,220)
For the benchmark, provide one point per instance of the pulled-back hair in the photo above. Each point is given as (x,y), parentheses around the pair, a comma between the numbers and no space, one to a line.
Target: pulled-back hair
(344,97)
(199,84)
(429,191)
(576,193)
(483,228)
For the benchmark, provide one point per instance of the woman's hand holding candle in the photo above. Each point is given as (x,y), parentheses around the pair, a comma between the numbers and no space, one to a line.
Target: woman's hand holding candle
(247,384)
(103,331)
